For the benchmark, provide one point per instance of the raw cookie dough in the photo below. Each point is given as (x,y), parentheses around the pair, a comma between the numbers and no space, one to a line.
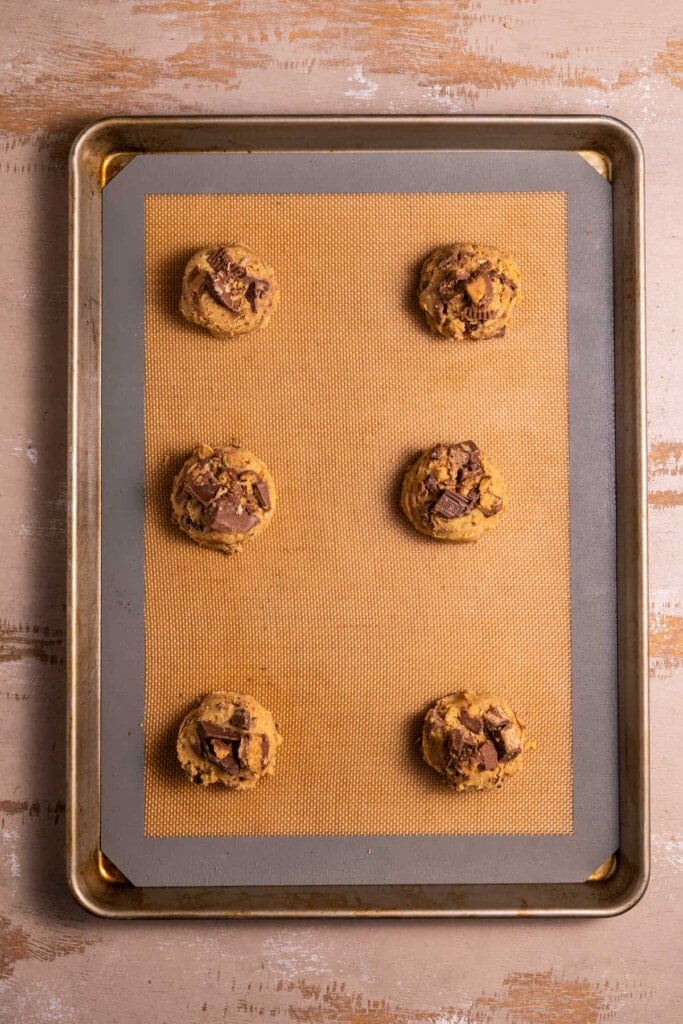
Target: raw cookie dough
(229,738)
(228,290)
(468,291)
(473,739)
(451,492)
(222,497)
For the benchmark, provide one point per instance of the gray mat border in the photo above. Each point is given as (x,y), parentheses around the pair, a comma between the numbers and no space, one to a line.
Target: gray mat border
(357,860)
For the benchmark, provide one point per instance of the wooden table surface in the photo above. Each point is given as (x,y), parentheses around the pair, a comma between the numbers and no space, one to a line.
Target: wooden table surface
(66,63)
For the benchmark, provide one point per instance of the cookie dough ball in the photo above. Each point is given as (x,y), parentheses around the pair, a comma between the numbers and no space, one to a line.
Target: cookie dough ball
(222,497)
(228,290)
(453,493)
(468,291)
(474,740)
(229,738)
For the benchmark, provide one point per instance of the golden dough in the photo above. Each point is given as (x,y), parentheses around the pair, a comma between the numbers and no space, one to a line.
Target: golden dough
(228,291)
(452,492)
(475,740)
(222,497)
(468,291)
(229,738)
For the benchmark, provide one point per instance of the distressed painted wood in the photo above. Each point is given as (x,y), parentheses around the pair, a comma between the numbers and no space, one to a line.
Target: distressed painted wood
(67,63)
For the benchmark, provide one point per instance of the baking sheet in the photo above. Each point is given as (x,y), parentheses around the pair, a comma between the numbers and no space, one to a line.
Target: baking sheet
(397,858)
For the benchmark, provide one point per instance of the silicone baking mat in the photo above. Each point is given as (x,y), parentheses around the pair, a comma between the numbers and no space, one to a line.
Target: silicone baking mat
(340,617)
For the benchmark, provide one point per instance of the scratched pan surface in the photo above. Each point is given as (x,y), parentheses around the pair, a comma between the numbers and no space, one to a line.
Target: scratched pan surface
(107,843)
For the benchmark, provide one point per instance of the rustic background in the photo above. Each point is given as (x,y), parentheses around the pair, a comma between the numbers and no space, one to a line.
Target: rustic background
(67,63)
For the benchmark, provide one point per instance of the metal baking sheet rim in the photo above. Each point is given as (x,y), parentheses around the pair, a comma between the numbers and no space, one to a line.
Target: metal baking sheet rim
(99,152)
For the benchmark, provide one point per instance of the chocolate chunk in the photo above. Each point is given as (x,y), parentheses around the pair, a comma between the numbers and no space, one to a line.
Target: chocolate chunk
(508,746)
(220,259)
(479,313)
(457,456)
(211,731)
(438,451)
(265,751)
(256,289)
(221,288)
(449,259)
(488,755)
(508,282)
(241,718)
(226,282)
(218,745)
(471,723)
(431,484)
(227,516)
(229,764)
(450,506)
(203,487)
(454,744)
(469,755)
(469,446)
(494,719)
(263,495)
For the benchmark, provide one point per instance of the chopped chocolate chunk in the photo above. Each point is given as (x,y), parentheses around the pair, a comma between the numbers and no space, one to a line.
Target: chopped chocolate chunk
(227,516)
(494,719)
(469,446)
(507,745)
(471,723)
(449,259)
(457,456)
(431,484)
(488,755)
(265,751)
(470,754)
(508,282)
(438,451)
(218,745)
(241,718)
(450,505)
(220,259)
(229,764)
(263,495)
(221,288)
(454,744)
(211,731)
(479,313)
(256,289)
(203,487)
